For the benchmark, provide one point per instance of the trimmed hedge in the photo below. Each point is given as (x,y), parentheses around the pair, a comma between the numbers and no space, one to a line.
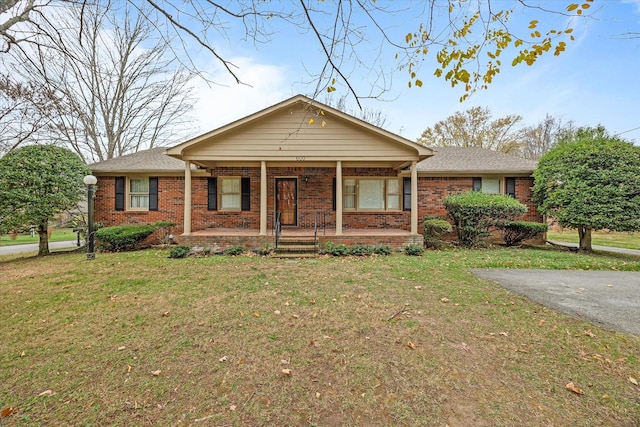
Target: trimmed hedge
(124,237)
(515,232)
(474,213)
(433,229)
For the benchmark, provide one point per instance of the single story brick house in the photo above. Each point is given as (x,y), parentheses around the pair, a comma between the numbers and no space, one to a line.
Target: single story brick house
(299,168)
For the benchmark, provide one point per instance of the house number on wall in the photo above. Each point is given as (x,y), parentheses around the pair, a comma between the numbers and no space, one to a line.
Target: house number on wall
(299,158)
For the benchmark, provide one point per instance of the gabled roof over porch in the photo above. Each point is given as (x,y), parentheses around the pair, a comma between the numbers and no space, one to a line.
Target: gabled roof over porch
(300,130)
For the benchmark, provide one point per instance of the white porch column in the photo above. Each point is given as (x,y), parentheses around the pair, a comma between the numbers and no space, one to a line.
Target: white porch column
(339,198)
(263,198)
(187,198)
(414,198)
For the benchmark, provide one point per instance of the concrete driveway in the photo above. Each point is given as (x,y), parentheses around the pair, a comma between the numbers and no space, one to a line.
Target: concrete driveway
(607,298)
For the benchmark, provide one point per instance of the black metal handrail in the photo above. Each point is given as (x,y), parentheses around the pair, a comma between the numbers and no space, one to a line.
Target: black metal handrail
(278,228)
(315,230)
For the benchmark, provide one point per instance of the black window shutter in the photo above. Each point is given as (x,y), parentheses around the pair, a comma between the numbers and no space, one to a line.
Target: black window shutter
(212,194)
(477,184)
(510,183)
(120,193)
(334,194)
(153,194)
(246,194)
(406,194)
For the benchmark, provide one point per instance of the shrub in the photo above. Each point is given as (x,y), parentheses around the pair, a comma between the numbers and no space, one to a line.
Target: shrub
(361,250)
(234,250)
(124,237)
(515,232)
(414,250)
(335,250)
(179,251)
(474,213)
(382,250)
(433,229)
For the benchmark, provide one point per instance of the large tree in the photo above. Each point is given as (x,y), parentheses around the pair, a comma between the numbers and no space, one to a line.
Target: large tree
(470,40)
(110,89)
(475,128)
(37,182)
(543,136)
(590,183)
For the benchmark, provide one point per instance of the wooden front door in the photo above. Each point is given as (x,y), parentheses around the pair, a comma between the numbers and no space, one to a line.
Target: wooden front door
(287,200)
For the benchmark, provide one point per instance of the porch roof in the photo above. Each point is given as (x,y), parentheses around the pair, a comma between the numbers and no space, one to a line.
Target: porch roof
(304,131)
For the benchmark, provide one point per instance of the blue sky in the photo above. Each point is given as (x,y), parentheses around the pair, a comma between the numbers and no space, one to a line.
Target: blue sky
(596,81)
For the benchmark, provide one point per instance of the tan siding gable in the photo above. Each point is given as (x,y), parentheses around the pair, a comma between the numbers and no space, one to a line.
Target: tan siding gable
(287,134)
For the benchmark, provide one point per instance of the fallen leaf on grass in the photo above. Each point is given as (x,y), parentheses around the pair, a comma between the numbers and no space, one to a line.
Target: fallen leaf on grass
(295,316)
(156,373)
(122,347)
(47,393)
(633,381)
(232,407)
(7,412)
(504,334)
(411,345)
(589,333)
(166,314)
(277,312)
(445,300)
(223,359)
(256,314)
(572,387)
(286,372)
(541,322)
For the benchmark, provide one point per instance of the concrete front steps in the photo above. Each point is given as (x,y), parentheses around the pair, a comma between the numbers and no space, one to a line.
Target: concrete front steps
(297,247)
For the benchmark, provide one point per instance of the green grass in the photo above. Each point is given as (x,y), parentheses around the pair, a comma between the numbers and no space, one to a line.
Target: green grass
(601,238)
(220,331)
(58,235)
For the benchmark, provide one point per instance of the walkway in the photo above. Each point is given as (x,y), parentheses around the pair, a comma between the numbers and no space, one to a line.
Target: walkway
(601,248)
(33,247)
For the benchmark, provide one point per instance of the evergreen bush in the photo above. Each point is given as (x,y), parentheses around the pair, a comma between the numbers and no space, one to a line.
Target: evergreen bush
(515,232)
(124,237)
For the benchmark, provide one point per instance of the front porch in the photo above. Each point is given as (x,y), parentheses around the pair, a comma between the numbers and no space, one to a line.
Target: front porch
(218,239)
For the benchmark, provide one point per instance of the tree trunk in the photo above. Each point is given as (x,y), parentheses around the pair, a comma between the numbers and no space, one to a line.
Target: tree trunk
(585,239)
(43,249)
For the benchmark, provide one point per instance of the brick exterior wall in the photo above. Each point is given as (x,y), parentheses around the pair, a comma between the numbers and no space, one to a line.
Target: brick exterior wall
(315,195)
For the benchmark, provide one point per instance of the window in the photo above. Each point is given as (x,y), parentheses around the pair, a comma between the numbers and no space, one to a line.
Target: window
(228,194)
(487,185)
(140,194)
(371,194)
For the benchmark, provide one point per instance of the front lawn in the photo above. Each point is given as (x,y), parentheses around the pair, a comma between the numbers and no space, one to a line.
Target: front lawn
(140,339)
(602,238)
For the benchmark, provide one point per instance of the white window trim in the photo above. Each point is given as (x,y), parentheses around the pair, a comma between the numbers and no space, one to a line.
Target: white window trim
(385,196)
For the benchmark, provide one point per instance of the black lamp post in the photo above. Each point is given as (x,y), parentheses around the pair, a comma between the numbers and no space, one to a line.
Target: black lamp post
(90,181)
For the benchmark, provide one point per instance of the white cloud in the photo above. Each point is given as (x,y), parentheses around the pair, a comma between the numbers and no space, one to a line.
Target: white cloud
(225,101)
